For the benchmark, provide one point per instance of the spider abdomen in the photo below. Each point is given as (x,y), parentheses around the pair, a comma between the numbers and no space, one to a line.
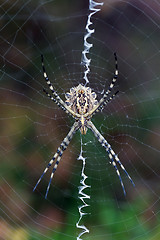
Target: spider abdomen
(81,99)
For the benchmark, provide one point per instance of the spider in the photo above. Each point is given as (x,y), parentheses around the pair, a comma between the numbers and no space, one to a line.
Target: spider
(81,104)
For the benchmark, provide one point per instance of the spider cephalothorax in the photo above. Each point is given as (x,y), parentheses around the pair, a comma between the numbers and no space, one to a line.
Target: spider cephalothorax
(81,104)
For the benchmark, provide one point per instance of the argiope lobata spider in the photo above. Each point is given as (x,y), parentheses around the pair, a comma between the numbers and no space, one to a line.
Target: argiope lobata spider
(81,104)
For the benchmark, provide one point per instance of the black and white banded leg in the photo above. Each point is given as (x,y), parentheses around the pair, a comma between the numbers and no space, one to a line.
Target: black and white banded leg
(56,96)
(100,108)
(113,157)
(113,81)
(114,78)
(55,101)
(58,156)
(104,100)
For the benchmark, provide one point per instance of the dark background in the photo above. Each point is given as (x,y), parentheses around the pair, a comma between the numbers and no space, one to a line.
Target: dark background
(32,127)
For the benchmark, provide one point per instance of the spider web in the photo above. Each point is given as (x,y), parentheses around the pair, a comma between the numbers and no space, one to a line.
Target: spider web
(32,127)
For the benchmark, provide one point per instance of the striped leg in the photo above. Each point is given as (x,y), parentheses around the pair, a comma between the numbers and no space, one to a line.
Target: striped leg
(58,155)
(54,100)
(103,101)
(56,97)
(52,174)
(113,157)
(115,166)
(114,78)
(46,169)
(123,168)
(62,148)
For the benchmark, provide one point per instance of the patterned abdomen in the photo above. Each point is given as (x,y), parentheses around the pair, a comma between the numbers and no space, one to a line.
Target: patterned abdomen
(81,99)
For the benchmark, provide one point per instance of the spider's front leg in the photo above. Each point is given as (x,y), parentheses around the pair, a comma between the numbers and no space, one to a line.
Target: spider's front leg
(100,108)
(58,103)
(58,156)
(104,100)
(55,97)
(113,157)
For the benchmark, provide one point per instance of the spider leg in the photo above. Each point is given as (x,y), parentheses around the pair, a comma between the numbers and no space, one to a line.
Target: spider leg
(54,100)
(114,78)
(111,154)
(123,168)
(52,174)
(104,99)
(58,155)
(56,97)
(46,169)
(117,171)
(105,102)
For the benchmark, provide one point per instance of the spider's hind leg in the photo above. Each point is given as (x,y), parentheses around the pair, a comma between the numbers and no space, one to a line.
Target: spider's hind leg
(113,157)
(114,78)
(117,171)
(52,174)
(57,98)
(123,168)
(58,155)
(46,169)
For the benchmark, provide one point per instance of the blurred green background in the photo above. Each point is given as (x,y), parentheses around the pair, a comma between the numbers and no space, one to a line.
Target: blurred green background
(32,127)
